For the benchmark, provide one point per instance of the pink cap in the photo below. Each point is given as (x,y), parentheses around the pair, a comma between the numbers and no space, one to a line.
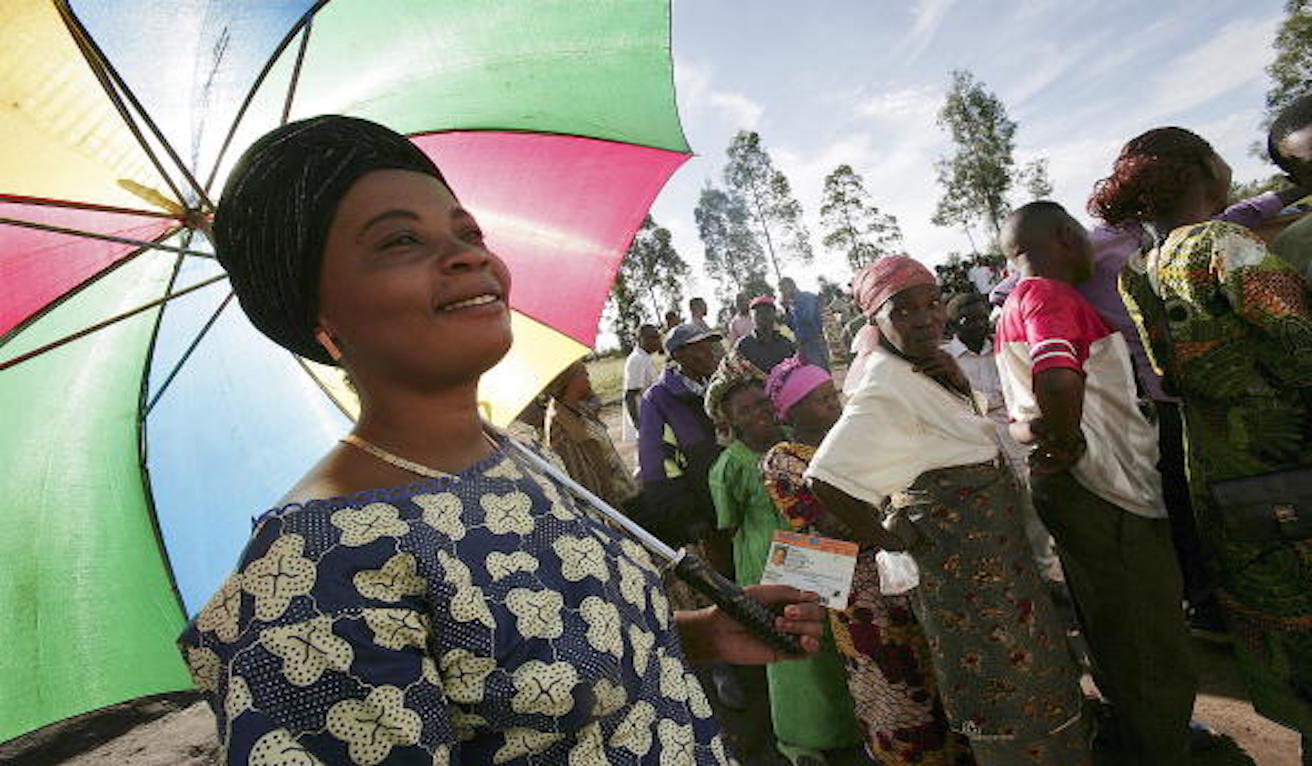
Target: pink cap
(789,383)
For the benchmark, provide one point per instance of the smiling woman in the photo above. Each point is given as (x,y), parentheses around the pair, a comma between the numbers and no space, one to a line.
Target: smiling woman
(478,615)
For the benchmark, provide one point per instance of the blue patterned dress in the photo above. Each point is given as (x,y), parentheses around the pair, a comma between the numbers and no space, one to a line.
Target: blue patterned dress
(477,618)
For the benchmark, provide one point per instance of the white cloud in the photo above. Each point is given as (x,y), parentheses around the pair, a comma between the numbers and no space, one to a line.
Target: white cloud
(928,16)
(1234,57)
(913,103)
(699,99)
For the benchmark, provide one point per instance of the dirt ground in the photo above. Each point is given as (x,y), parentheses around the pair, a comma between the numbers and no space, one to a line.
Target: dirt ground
(177,730)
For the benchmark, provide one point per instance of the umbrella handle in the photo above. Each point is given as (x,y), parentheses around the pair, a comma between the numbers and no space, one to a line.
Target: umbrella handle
(736,602)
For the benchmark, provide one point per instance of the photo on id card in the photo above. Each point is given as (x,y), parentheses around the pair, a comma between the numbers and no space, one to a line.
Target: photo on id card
(809,562)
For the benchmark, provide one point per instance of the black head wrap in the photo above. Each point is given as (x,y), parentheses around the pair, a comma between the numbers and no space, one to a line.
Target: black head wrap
(272,220)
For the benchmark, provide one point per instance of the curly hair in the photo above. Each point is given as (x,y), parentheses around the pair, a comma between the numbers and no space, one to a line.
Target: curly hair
(1296,115)
(1150,174)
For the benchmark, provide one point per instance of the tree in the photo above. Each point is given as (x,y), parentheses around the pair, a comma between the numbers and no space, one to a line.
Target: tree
(624,311)
(734,257)
(953,275)
(851,222)
(1257,186)
(978,175)
(772,209)
(651,276)
(1034,177)
(1291,71)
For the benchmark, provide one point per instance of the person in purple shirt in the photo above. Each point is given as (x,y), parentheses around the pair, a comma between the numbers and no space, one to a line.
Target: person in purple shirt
(805,321)
(676,440)
(1112,247)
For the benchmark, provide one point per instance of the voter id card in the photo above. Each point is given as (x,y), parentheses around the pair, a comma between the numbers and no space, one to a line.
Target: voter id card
(809,562)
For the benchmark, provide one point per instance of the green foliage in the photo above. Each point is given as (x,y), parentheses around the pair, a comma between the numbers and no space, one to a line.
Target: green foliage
(1291,71)
(980,172)
(650,276)
(1034,177)
(953,275)
(773,211)
(734,257)
(1255,187)
(830,291)
(853,225)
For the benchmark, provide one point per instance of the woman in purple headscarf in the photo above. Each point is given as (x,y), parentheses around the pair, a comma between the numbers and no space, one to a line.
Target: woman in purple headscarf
(915,458)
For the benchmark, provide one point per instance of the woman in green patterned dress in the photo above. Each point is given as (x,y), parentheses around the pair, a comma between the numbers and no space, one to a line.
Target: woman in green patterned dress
(1228,323)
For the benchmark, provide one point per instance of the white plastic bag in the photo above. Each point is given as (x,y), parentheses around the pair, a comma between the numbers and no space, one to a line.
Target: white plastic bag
(897,572)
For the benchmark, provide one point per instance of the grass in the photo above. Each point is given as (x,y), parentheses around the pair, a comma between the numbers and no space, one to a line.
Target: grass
(607,375)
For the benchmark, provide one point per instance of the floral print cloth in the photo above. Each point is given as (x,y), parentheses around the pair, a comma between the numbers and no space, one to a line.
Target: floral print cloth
(1229,324)
(476,618)
(889,671)
(1000,655)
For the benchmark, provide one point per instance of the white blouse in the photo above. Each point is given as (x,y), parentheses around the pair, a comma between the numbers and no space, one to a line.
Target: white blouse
(896,425)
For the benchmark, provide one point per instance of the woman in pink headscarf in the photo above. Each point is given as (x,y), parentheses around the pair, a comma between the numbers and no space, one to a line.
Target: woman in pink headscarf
(885,655)
(913,463)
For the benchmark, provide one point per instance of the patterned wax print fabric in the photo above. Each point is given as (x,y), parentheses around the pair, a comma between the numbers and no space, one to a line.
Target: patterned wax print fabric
(477,618)
(999,648)
(890,675)
(1239,350)
(1294,246)
(809,703)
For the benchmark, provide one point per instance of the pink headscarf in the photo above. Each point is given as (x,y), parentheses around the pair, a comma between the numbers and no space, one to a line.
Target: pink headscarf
(872,287)
(790,381)
(887,277)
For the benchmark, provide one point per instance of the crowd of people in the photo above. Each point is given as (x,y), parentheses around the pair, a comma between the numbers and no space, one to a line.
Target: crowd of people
(1068,435)
(1120,427)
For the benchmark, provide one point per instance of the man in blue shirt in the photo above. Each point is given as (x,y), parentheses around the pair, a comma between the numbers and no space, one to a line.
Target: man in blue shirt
(806,323)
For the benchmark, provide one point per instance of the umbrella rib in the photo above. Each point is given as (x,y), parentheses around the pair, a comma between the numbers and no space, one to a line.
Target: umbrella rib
(296,71)
(173,373)
(255,87)
(75,33)
(106,323)
(557,133)
(143,443)
(340,407)
(113,83)
(104,237)
(18,199)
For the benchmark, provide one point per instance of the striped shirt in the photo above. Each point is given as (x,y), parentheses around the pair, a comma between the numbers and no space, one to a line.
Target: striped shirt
(1046,324)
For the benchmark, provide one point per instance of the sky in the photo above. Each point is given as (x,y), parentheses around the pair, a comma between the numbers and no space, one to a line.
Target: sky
(861,81)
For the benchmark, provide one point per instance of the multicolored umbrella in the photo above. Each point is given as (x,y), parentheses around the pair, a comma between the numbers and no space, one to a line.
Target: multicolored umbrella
(136,453)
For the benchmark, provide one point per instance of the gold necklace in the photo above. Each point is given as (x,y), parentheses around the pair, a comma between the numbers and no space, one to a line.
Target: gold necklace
(406,465)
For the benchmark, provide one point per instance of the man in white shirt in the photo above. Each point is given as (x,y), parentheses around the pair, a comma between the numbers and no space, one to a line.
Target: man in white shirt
(741,324)
(639,373)
(982,276)
(972,346)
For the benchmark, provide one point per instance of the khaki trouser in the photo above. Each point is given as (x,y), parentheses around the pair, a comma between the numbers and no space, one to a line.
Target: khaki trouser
(1123,575)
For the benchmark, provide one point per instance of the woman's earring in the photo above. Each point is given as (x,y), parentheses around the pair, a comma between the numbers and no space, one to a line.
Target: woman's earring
(326,341)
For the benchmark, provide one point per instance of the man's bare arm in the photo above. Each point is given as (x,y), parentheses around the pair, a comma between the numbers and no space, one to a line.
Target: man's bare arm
(1059,392)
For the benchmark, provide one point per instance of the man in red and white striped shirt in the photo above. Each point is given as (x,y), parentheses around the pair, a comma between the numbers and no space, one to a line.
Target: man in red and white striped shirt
(1070,391)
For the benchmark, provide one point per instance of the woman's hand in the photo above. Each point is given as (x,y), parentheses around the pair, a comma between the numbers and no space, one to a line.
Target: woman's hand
(710,635)
(943,367)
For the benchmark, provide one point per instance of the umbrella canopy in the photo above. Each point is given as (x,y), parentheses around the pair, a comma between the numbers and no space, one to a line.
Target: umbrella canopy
(136,454)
